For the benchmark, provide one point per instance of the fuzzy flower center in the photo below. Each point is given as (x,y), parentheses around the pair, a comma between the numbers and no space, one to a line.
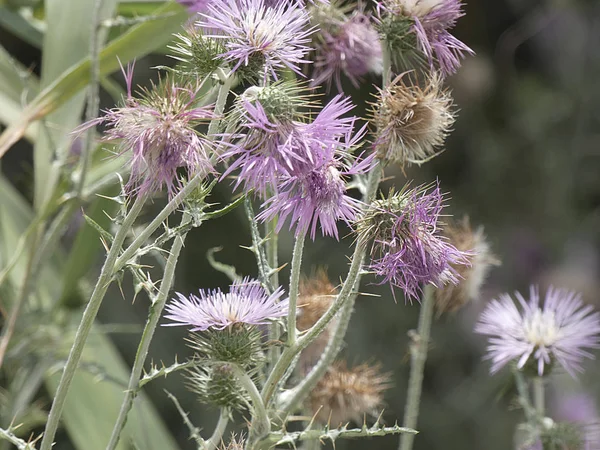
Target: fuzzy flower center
(541,328)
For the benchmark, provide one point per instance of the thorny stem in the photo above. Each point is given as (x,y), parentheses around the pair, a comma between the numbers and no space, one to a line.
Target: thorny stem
(293,291)
(273,262)
(418,357)
(261,259)
(352,278)
(86,323)
(217,435)
(523,392)
(158,303)
(194,431)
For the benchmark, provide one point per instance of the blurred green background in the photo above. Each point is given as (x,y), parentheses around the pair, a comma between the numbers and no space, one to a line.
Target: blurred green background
(523,161)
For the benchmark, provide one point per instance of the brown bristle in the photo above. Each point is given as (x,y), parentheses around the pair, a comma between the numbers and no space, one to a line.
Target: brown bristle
(450,298)
(345,394)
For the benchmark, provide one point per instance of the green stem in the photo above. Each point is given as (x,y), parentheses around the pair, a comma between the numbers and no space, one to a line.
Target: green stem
(86,323)
(523,391)
(352,280)
(294,282)
(539,396)
(153,317)
(418,353)
(261,424)
(217,435)
(296,395)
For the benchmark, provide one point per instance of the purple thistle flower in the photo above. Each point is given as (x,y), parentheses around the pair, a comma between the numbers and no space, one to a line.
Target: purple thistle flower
(408,245)
(559,330)
(432,20)
(270,149)
(435,39)
(158,129)
(247,302)
(317,197)
(352,47)
(277,35)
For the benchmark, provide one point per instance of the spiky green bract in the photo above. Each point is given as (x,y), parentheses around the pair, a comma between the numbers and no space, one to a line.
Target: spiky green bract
(282,102)
(217,385)
(396,32)
(563,436)
(198,54)
(238,344)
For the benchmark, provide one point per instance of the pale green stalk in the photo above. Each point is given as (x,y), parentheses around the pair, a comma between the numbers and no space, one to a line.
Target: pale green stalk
(154,315)
(86,323)
(301,391)
(261,424)
(307,338)
(217,435)
(418,357)
(539,396)
(293,291)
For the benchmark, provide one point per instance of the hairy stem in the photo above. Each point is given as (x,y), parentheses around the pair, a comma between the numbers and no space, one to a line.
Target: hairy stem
(294,282)
(86,323)
(154,315)
(418,357)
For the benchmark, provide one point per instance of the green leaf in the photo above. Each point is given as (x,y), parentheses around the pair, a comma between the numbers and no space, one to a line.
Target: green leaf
(63,47)
(29,30)
(136,42)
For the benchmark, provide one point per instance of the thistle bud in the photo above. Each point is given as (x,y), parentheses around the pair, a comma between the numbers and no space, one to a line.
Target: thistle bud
(235,443)
(412,123)
(345,394)
(217,385)
(316,296)
(238,344)
(452,297)
(198,55)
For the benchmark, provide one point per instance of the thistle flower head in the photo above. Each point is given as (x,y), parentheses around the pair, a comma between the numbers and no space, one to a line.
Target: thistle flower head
(158,130)
(345,394)
(538,335)
(348,44)
(408,249)
(412,123)
(317,197)
(272,147)
(247,302)
(452,297)
(424,24)
(254,33)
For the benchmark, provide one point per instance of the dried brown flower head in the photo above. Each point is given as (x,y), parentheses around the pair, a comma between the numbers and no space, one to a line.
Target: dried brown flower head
(450,297)
(412,123)
(345,394)
(316,296)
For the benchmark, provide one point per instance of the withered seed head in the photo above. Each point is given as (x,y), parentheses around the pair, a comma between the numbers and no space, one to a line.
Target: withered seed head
(316,296)
(412,122)
(450,297)
(345,394)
